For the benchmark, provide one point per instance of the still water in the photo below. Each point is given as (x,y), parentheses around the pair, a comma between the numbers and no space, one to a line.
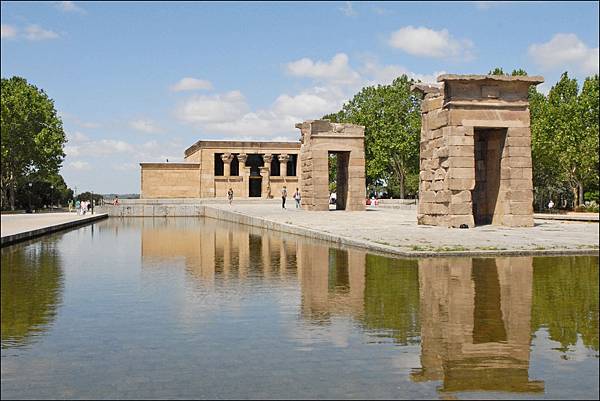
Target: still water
(199,308)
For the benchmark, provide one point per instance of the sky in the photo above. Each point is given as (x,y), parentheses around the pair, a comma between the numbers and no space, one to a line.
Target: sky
(142,81)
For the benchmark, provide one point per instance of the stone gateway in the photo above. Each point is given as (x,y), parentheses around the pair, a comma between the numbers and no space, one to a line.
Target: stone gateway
(475,156)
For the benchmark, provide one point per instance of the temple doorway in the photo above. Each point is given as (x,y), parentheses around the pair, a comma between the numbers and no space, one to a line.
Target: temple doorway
(489,145)
(338,178)
(255,187)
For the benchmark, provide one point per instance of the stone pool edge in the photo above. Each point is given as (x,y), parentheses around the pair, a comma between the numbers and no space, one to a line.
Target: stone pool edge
(242,218)
(38,232)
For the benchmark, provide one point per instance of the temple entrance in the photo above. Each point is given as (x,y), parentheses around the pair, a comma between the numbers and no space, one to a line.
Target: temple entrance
(255,187)
(338,178)
(489,145)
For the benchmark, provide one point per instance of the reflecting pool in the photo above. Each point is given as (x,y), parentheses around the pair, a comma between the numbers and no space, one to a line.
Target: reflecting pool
(200,308)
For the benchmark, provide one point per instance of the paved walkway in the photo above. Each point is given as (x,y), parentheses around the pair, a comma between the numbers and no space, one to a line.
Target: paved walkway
(22,226)
(397,230)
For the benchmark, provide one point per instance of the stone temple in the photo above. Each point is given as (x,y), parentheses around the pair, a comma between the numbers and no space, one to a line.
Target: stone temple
(261,169)
(475,159)
(475,156)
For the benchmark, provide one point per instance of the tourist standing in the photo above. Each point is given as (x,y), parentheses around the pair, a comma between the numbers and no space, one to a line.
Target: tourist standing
(230,196)
(297,198)
(550,205)
(78,207)
(283,196)
(116,201)
(83,207)
(70,205)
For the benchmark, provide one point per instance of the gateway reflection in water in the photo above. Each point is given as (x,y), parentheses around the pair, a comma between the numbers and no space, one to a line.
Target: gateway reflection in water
(285,313)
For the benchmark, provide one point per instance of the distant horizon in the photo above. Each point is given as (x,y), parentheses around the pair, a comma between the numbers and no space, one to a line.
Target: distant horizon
(141,82)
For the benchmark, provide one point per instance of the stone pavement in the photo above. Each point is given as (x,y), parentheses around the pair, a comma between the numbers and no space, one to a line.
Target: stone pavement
(396,231)
(17,227)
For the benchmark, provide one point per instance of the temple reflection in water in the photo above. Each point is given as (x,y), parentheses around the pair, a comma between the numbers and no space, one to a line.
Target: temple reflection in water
(472,316)
(476,323)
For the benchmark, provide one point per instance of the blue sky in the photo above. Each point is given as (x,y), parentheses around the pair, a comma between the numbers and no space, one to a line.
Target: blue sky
(143,81)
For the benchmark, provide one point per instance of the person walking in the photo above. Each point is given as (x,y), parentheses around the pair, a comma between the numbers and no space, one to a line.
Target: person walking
(297,198)
(83,207)
(78,207)
(283,196)
(230,196)
(70,205)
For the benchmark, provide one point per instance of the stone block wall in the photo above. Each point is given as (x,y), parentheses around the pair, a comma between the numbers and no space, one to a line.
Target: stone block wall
(319,138)
(170,180)
(475,152)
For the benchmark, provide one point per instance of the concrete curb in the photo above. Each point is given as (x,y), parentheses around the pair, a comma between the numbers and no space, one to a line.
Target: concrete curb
(241,218)
(26,235)
(566,217)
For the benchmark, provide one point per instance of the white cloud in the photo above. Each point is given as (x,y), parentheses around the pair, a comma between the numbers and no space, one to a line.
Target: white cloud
(565,51)
(230,114)
(385,74)
(71,150)
(147,126)
(80,165)
(127,166)
(7,31)
(35,32)
(70,6)
(336,71)
(189,84)
(425,42)
(347,10)
(77,137)
(217,108)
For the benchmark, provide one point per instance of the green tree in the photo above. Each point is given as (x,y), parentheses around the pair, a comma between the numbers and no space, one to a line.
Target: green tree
(32,136)
(572,133)
(392,119)
(88,196)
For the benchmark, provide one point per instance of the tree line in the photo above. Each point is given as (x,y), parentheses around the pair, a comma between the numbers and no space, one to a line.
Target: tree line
(564,130)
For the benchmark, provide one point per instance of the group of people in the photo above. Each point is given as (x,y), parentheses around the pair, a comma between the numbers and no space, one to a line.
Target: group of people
(81,207)
(297,197)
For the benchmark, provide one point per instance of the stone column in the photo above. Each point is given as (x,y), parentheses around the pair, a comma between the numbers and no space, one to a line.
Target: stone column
(265,172)
(227,158)
(267,158)
(283,159)
(245,173)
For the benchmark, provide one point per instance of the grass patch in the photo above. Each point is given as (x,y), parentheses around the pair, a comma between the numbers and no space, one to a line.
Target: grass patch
(490,248)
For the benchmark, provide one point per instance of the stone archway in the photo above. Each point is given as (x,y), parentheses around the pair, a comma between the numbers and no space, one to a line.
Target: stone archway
(319,139)
(475,152)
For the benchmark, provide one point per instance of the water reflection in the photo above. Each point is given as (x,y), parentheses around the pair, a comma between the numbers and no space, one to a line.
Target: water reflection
(476,324)
(472,316)
(32,283)
(163,308)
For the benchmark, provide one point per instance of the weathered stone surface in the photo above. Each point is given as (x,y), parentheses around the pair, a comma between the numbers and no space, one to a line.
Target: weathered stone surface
(439,174)
(438,185)
(460,196)
(461,208)
(461,161)
(519,151)
(440,152)
(459,184)
(461,172)
(461,151)
(426,175)
(460,140)
(443,196)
